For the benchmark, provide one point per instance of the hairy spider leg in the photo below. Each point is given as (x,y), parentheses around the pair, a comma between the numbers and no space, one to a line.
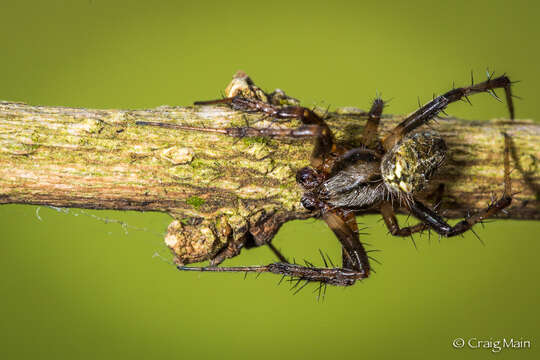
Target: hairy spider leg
(343,224)
(324,139)
(389,217)
(392,224)
(432,108)
(244,104)
(438,224)
(355,260)
(331,276)
(246,131)
(370,137)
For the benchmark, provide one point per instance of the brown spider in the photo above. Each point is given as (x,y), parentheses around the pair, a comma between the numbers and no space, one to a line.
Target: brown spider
(341,181)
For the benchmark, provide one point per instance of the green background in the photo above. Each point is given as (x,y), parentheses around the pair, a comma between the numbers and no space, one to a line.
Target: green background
(75,285)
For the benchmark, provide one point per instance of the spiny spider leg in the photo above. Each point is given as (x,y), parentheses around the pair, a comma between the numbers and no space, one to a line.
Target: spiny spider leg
(343,224)
(305,115)
(389,217)
(324,142)
(332,276)
(241,132)
(369,139)
(392,224)
(248,105)
(438,224)
(369,135)
(355,261)
(432,108)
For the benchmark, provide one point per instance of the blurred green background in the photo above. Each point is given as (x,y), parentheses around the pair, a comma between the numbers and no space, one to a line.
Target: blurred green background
(92,284)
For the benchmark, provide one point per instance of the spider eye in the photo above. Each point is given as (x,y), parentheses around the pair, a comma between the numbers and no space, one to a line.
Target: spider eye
(307,178)
(309,203)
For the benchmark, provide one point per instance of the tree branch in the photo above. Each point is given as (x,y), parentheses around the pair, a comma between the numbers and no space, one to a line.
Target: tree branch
(221,189)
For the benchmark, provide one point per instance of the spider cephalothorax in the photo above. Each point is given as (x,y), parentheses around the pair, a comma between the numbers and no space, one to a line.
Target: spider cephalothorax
(340,180)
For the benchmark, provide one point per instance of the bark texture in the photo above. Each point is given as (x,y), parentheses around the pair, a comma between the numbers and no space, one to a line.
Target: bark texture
(218,189)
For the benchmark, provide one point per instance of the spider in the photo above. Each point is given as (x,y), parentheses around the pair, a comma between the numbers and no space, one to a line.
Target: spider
(341,181)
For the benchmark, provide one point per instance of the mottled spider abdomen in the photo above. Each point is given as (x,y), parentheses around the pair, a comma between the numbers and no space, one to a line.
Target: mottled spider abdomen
(411,163)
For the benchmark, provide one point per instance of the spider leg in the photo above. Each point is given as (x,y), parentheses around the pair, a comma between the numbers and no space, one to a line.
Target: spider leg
(431,109)
(389,217)
(244,104)
(369,135)
(246,131)
(392,224)
(331,276)
(324,143)
(343,224)
(278,253)
(324,139)
(438,224)
(355,260)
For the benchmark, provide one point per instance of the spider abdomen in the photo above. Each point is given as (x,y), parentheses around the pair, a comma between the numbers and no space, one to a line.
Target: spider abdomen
(411,163)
